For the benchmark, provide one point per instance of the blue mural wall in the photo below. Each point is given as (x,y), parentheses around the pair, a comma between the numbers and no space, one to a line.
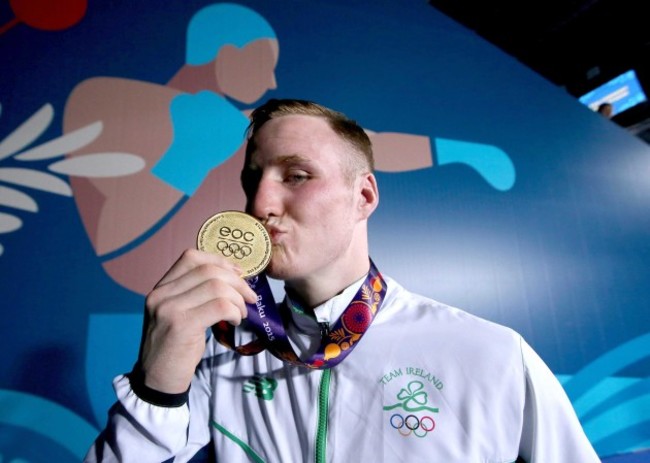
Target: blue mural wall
(500,193)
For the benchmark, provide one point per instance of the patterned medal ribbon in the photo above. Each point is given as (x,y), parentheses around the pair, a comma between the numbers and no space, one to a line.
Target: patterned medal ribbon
(266,321)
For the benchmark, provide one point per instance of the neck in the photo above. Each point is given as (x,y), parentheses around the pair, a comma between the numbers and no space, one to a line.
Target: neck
(312,292)
(192,79)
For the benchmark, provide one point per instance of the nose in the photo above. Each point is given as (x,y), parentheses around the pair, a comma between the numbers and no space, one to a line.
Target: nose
(273,84)
(265,200)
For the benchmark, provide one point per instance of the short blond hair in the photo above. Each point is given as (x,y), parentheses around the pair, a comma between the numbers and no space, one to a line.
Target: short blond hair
(346,128)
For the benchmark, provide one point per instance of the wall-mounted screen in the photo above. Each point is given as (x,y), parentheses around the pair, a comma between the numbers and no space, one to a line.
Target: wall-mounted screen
(623,92)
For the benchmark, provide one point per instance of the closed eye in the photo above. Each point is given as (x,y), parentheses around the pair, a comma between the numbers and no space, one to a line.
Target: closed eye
(296,178)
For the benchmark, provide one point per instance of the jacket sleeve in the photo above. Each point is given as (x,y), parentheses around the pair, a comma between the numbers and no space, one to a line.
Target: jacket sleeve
(139,431)
(551,430)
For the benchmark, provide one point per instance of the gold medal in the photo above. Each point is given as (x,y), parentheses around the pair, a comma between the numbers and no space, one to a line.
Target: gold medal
(238,237)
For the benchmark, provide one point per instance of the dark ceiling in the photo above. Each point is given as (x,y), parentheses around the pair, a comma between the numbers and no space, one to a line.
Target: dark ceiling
(575,44)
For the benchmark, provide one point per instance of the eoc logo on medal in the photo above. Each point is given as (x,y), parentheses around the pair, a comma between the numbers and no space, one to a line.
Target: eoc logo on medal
(235,242)
(238,237)
(410,412)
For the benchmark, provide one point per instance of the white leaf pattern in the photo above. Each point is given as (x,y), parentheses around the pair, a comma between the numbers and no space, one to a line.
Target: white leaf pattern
(9,223)
(35,179)
(17,199)
(63,144)
(99,165)
(27,132)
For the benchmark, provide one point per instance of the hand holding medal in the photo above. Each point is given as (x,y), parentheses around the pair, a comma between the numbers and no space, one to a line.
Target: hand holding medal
(243,240)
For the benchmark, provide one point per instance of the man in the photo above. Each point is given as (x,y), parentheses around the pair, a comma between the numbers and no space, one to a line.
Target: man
(605,109)
(404,379)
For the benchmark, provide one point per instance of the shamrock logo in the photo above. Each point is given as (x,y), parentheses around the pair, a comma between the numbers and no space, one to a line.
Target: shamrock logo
(413,398)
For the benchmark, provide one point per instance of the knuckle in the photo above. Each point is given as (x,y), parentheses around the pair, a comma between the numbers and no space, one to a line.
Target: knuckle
(215,287)
(190,254)
(168,313)
(207,271)
(176,323)
(222,307)
(153,300)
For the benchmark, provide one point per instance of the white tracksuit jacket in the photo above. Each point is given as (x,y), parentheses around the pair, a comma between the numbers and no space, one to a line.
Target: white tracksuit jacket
(426,383)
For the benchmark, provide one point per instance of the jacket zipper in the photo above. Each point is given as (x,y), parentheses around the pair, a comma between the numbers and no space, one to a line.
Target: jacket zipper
(323,408)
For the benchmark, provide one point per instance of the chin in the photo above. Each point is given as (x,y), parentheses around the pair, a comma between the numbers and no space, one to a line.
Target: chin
(280,269)
(277,272)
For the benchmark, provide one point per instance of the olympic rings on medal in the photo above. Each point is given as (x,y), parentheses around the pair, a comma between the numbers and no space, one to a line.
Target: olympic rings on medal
(236,244)
(238,237)
(411,424)
(234,249)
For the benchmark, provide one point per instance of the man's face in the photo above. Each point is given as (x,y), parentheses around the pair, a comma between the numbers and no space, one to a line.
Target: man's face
(296,184)
(232,65)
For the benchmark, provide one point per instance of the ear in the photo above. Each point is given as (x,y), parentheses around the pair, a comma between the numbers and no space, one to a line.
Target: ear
(368,195)
(224,56)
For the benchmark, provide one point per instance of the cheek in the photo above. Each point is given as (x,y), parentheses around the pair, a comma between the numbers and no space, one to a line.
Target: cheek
(331,213)
(315,201)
